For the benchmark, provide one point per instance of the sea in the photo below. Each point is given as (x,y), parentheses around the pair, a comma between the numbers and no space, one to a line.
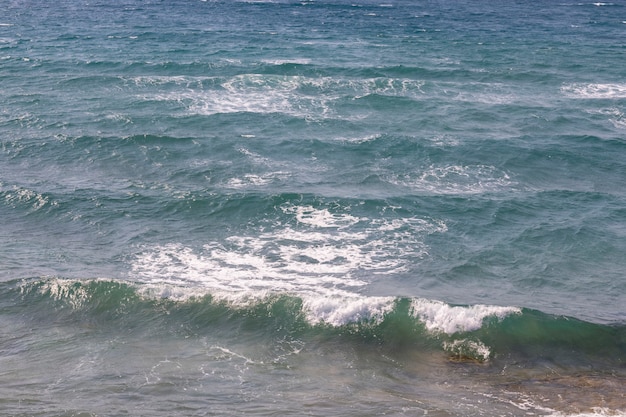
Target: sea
(313,208)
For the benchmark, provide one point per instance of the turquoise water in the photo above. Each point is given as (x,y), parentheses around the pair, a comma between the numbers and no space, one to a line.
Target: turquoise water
(312,208)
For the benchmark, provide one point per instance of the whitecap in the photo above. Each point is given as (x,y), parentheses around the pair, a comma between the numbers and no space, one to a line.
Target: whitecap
(338,311)
(438,316)
(70,291)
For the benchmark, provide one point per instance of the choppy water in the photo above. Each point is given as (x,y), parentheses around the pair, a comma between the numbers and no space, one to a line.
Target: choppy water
(312,208)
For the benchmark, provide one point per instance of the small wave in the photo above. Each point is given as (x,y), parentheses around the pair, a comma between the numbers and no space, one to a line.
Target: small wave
(335,311)
(30,199)
(473,332)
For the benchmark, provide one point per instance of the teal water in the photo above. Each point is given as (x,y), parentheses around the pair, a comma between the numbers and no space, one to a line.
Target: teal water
(312,208)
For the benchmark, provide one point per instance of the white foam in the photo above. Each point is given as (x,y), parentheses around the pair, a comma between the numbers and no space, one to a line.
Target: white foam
(615,116)
(360,139)
(595,412)
(487,97)
(161,80)
(26,196)
(441,317)
(309,97)
(256,180)
(522,401)
(321,217)
(218,102)
(255,94)
(295,61)
(338,311)
(70,291)
(619,123)
(456,179)
(254,157)
(243,93)
(312,252)
(595,91)
(444,140)
(229,353)
(468,348)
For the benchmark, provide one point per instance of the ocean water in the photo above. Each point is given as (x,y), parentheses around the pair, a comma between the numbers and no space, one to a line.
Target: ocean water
(312,208)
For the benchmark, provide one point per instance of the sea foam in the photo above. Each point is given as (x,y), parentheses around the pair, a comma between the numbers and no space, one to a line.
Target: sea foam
(455,179)
(441,317)
(337,311)
(595,90)
(311,250)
